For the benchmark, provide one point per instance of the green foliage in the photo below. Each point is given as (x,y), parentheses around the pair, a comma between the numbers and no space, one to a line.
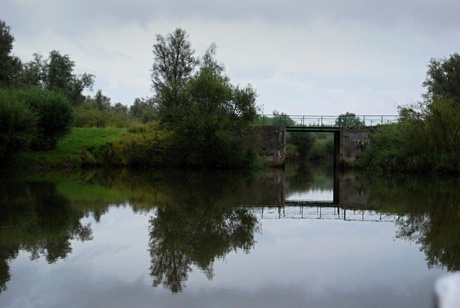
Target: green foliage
(303,143)
(99,112)
(348,119)
(425,139)
(141,146)
(71,148)
(172,68)
(10,66)
(56,73)
(143,110)
(427,136)
(278,118)
(210,118)
(18,125)
(443,78)
(55,116)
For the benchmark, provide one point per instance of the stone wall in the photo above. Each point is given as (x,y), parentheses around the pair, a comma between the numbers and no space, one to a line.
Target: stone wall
(272,144)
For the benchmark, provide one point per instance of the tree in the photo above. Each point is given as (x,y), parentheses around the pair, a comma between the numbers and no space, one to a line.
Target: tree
(213,124)
(173,65)
(57,74)
(348,119)
(303,142)
(143,109)
(10,66)
(443,78)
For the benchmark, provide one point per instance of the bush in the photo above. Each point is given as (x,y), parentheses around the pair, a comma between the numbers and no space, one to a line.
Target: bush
(54,116)
(18,125)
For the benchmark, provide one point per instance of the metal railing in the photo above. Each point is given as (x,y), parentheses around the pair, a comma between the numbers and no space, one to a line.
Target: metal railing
(326,121)
(321,212)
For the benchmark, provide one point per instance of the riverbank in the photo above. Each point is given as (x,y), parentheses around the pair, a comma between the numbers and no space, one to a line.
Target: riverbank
(70,149)
(146,145)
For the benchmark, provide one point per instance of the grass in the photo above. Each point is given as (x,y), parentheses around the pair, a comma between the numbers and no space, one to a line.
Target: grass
(68,150)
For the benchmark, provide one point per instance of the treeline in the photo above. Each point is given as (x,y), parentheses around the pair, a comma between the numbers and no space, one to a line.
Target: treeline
(427,136)
(195,117)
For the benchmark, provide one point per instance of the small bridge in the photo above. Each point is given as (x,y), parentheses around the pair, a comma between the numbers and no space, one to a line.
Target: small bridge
(350,133)
(314,123)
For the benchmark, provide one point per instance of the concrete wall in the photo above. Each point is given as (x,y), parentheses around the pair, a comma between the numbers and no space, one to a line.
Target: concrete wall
(353,141)
(272,144)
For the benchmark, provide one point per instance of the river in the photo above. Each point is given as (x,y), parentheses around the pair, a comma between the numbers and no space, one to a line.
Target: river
(305,236)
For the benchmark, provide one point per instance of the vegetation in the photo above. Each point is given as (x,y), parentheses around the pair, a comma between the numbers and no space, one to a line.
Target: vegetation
(196,117)
(348,119)
(427,136)
(210,118)
(32,119)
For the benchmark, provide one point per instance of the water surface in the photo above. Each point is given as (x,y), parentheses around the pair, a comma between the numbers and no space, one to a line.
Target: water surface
(225,239)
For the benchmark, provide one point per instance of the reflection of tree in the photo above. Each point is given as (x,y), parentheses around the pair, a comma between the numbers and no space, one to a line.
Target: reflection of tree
(303,176)
(429,212)
(34,218)
(196,230)
(437,230)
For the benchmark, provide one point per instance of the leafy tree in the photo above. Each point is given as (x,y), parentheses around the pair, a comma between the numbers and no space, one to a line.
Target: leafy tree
(213,124)
(10,66)
(57,74)
(348,119)
(172,68)
(210,117)
(443,78)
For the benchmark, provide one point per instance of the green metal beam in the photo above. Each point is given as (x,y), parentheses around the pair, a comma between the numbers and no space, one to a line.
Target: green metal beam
(330,129)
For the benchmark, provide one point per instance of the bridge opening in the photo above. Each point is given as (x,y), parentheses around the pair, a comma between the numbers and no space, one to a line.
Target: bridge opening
(305,146)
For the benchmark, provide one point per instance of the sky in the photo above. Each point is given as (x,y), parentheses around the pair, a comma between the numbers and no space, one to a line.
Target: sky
(303,57)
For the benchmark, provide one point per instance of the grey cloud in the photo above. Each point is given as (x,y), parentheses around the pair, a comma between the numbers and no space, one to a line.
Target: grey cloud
(80,16)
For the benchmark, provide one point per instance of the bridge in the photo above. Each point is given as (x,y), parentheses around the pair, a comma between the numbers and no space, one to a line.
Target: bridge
(350,133)
(320,123)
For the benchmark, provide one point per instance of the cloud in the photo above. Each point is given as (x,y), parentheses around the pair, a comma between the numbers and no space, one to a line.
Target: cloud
(301,56)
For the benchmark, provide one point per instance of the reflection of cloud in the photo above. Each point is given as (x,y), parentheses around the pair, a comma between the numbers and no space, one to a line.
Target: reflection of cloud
(295,263)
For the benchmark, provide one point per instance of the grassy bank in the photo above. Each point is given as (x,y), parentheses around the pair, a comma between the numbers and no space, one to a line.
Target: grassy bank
(146,145)
(68,152)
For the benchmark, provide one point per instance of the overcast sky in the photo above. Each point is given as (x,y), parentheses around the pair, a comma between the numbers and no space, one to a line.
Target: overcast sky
(322,57)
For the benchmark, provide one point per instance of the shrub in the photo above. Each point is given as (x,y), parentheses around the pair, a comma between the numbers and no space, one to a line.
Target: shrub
(54,116)
(18,125)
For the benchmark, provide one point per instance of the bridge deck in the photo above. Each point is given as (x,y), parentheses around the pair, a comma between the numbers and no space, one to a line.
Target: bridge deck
(314,123)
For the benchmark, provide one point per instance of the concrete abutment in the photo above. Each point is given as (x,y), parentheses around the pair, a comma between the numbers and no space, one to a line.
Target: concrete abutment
(349,143)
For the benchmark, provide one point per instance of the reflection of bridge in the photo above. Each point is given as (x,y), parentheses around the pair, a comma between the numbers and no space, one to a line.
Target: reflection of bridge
(320,210)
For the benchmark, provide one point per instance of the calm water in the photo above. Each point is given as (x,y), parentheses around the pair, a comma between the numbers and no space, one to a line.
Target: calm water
(224,239)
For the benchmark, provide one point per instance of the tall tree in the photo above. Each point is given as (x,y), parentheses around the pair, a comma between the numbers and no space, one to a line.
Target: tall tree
(10,66)
(173,65)
(443,78)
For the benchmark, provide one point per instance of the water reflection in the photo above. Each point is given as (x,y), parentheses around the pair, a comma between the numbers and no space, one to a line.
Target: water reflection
(37,219)
(429,214)
(200,217)
(196,226)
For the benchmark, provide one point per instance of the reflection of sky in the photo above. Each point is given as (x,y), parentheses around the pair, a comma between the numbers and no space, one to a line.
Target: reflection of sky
(312,195)
(295,263)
